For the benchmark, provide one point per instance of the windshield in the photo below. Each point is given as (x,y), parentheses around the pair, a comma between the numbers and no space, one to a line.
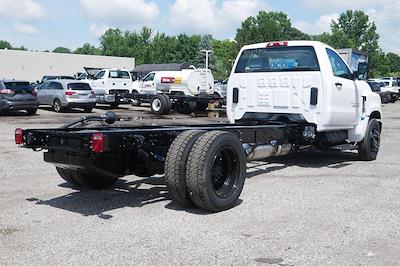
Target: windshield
(117,74)
(17,86)
(79,86)
(279,59)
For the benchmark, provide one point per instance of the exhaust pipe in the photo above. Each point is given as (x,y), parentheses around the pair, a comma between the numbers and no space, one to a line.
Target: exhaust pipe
(265,151)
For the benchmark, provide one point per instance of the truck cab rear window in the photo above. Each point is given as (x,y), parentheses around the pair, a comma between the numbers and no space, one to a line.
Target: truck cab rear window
(278,59)
(119,75)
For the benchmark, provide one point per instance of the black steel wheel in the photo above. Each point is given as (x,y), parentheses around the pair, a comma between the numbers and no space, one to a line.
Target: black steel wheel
(67,175)
(185,107)
(175,166)
(369,147)
(215,171)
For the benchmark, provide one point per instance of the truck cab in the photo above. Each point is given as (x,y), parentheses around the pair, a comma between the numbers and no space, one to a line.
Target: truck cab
(302,81)
(110,85)
(189,82)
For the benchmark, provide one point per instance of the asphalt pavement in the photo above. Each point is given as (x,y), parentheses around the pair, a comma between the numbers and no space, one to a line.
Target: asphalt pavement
(311,208)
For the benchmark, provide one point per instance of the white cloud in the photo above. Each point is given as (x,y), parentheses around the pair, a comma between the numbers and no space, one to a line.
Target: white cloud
(206,16)
(22,10)
(25,28)
(98,30)
(329,5)
(323,24)
(121,12)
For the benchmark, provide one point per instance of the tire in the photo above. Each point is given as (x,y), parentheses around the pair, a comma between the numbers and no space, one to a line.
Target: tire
(175,166)
(201,106)
(136,102)
(57,106)
(369,147)
(88,109)
(185,107)
(160,104)
(215,171)
(67,175)
(93,181)
(31,111)
(114,105)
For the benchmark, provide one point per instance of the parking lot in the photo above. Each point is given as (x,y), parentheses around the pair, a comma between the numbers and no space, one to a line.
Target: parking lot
(310,208)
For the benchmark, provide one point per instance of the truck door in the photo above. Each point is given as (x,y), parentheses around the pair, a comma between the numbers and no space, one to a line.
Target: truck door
(98,82)
(148,84)
(344,92)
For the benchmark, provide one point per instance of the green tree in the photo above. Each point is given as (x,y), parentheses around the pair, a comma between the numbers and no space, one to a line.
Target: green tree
(88,49)
(62,50)
(113,43)
(224,52)
(5,45)
(394,62)
(356,26)
(267,26)
(187,48)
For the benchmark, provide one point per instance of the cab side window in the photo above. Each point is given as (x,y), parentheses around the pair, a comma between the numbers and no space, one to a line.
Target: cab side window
(339,68)
(149,77)
(99,75)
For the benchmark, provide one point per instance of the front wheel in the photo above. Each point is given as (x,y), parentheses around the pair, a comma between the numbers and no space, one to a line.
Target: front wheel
(136,102)
(369,147)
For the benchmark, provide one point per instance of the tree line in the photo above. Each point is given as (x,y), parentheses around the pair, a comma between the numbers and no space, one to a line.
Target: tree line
(353,29)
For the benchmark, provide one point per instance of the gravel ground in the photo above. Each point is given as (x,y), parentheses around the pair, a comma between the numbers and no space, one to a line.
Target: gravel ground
(306,209)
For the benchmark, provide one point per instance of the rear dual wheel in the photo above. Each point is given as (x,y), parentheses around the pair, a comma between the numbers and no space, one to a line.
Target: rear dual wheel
(207,170)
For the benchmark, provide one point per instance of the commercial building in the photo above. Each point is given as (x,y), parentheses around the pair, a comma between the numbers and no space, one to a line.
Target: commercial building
(32,66)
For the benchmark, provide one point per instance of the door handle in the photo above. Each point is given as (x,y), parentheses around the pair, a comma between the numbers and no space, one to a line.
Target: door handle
(339,85)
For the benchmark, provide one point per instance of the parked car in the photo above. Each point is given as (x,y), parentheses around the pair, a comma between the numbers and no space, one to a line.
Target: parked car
(17,95)
(65,94)
(47,78)
(392,86)
(376,86)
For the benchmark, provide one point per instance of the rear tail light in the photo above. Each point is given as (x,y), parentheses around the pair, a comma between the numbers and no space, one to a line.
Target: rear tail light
(277,44)
(6,91)
(19,138)
(98,140)
(167,80)
(70,93)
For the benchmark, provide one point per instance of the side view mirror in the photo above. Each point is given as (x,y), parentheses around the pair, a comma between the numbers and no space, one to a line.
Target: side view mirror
(362,72)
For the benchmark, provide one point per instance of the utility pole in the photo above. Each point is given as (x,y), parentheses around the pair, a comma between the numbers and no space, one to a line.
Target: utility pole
(207,55)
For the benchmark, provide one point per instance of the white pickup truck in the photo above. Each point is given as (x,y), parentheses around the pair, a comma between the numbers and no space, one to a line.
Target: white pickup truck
(283,97)
(110,85)
(306,81)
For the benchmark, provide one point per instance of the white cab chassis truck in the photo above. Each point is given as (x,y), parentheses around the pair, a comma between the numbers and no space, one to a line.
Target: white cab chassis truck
(110,85)
(283,97)
(185,90)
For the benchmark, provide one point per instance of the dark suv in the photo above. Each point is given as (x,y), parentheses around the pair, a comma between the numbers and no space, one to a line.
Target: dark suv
(17,95)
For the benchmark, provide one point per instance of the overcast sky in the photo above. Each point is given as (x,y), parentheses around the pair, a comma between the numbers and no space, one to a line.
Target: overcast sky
(46,24)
